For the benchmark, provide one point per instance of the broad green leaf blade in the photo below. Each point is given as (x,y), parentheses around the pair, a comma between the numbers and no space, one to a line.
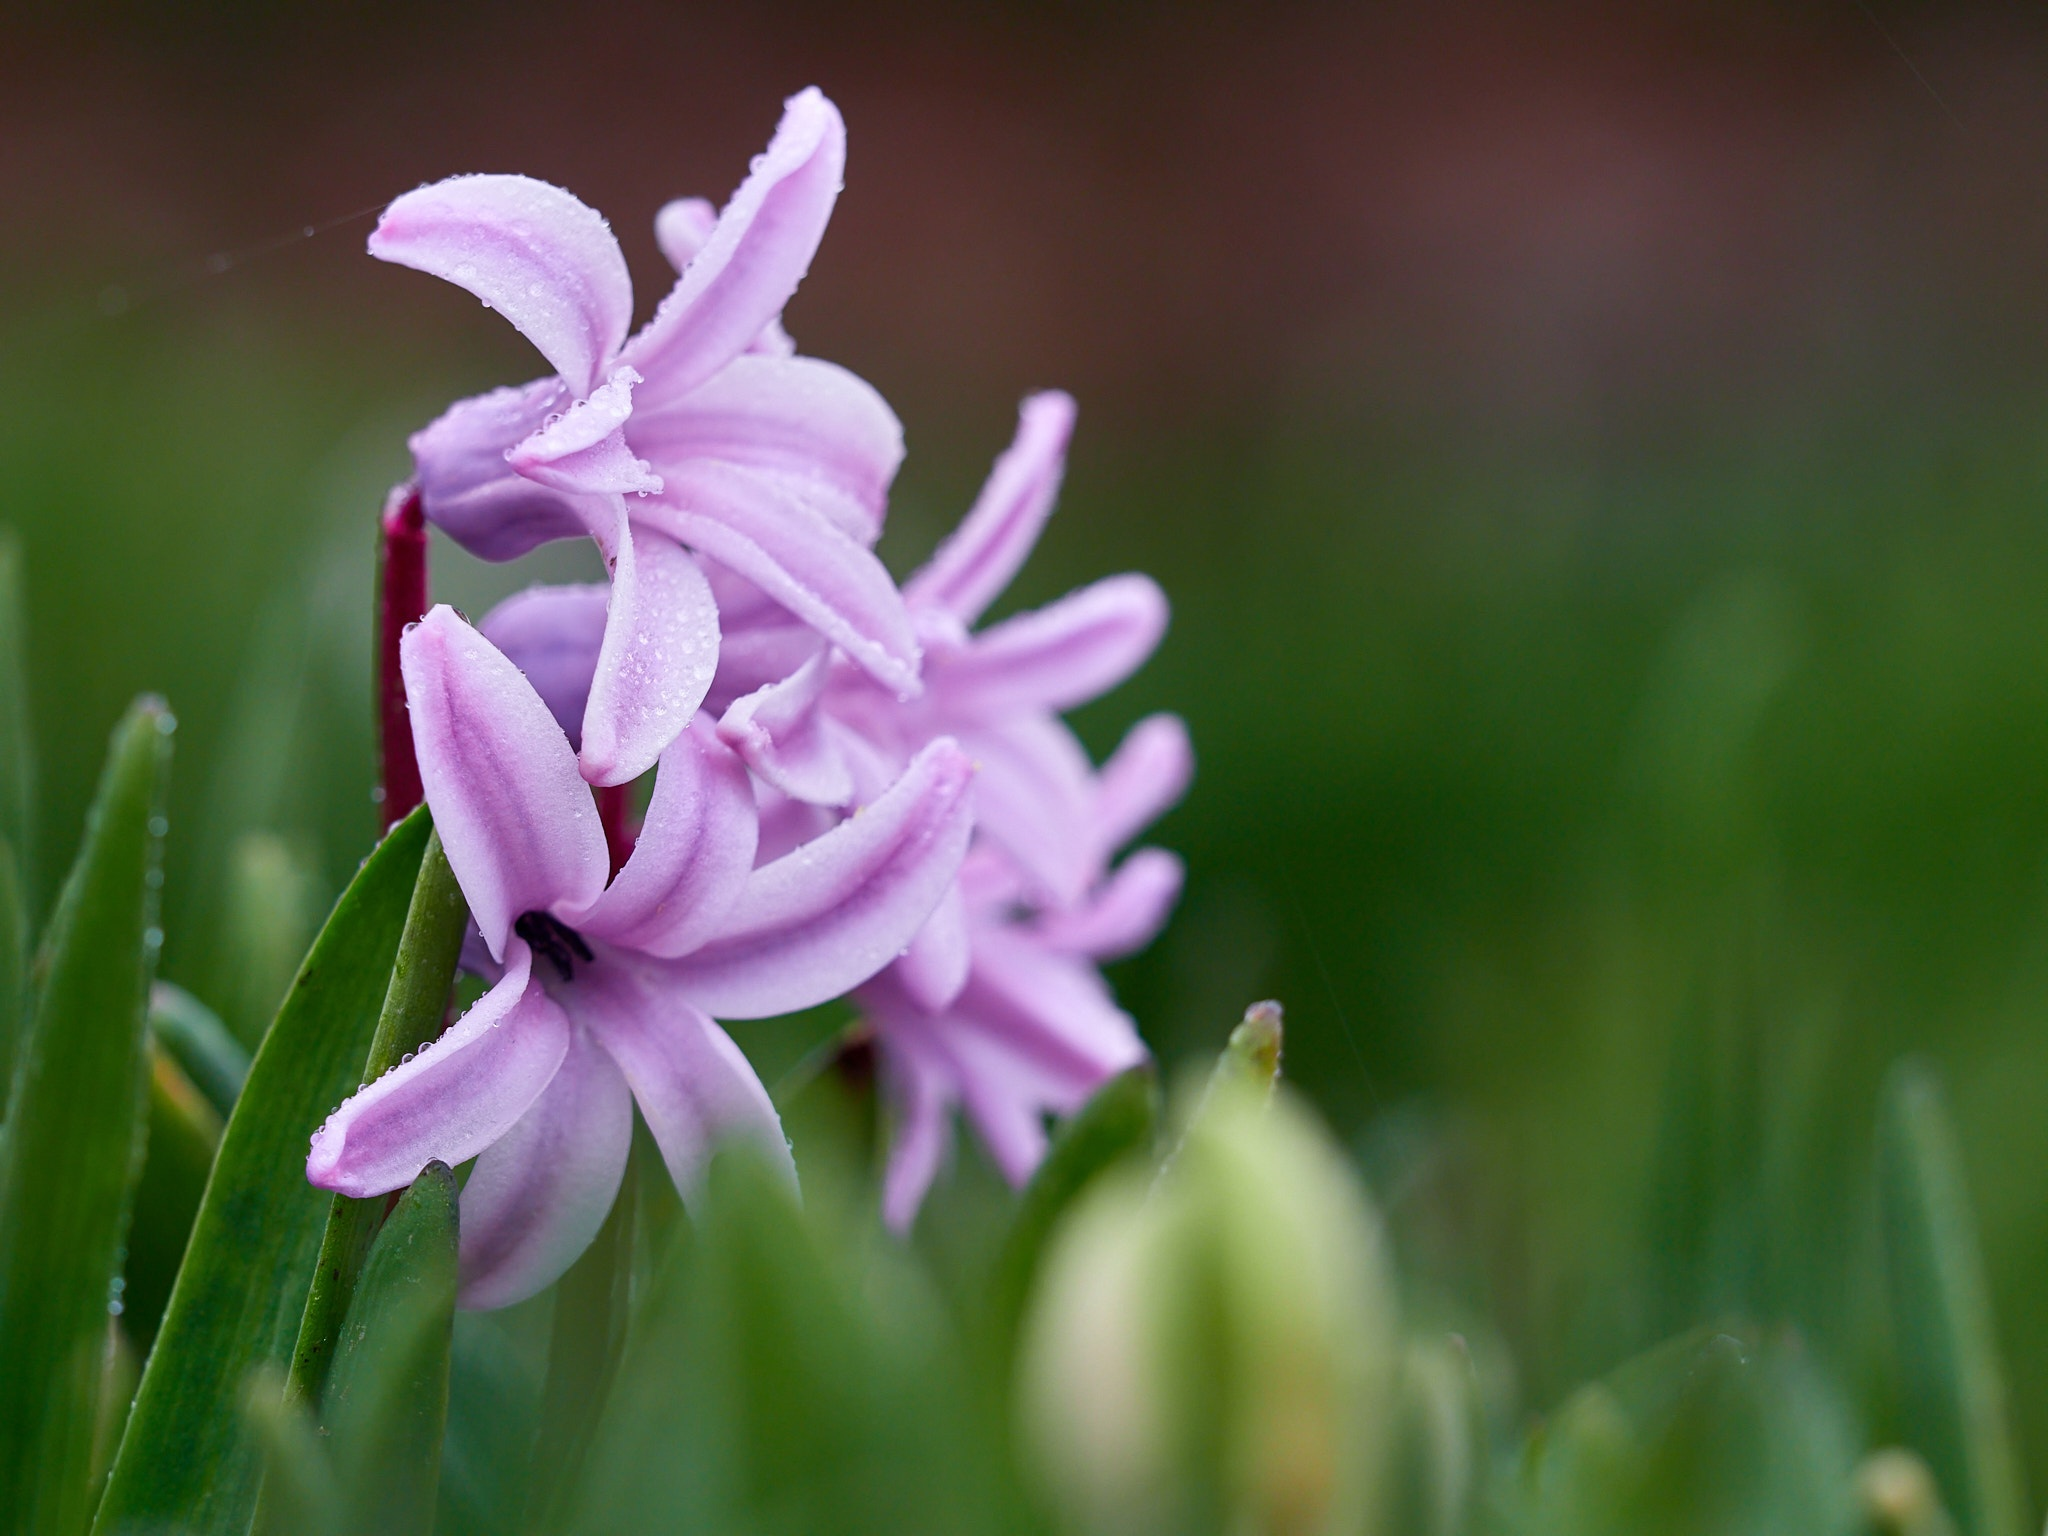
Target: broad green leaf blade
(385,1405)
(1120,1120)
(187,1462)
(1954,1389)
(74,1140)
(199,1043)
(414,1005)
(17,750)
(184,1130)
(298,1479)
(592,1303)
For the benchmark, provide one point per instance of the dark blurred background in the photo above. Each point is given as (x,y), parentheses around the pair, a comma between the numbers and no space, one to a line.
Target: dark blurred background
(1598,456)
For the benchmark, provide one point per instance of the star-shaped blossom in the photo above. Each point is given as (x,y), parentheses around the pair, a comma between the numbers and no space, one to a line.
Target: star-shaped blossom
(997,1006)
(605,994)
(702,432)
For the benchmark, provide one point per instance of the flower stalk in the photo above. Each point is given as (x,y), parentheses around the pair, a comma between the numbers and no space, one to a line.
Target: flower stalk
(401,601)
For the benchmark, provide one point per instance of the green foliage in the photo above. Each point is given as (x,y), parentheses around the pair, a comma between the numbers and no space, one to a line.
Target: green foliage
(186,1458)
(1953,1388)
(422,975)
(183,1132)
(200,1044)
(270,917)
(74,1140)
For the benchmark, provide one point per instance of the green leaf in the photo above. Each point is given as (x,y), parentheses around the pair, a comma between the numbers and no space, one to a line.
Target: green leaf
(74,1139)
(422,973)
(184,1130)
(385,1405)
(13,967)
(187,1461)
(591,1308)
(200,1044)
(1121,1119)
(17,752)
(297,1475)
(1953,1388)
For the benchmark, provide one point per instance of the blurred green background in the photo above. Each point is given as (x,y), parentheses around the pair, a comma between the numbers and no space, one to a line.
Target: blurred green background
(1598,457)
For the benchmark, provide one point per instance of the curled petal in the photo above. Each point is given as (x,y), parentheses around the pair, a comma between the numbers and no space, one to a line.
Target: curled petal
(1147,772)
(583,452)
(934,969)
(660,653)
(1058,656)
(758,524)
(754,257)
(543,259)
(515,816)
(1120,916)
(1051,1011)
(681,228)
(693,854)
(454,1098)
(471,493)
(921,1084)
(694,1086)
(782,735)
(991,543)
(813,421)
(826,917)
(539,1193)
(1033,798)
(553,635)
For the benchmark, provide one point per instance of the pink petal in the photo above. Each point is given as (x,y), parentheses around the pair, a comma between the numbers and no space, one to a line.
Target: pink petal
(991,543)
(553,635)
(934,969)
(921,1085)
(1050,1010)
(758,524)
(539,1193)
(660,653)
(1147,772)
(693,855)
(755,256)
(782,735)
(814,422)
(531,251)
(583,452)
(680,229)
(1058,656)
(1121,916)
(1033,797)
(468,489)
(825,918)
(454,1098)
(694,1086)
(514,814)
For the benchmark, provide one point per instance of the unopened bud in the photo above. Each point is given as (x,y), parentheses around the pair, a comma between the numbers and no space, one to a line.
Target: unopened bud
(1217,1351)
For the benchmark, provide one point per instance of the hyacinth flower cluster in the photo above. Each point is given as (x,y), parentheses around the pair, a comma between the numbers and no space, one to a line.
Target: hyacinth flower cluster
(856,791)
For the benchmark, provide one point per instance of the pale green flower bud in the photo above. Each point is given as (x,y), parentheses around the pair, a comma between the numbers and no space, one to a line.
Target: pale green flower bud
(1217,1351)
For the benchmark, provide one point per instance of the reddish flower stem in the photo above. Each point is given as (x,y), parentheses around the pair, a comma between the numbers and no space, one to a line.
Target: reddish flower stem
(614,814)
(401,601)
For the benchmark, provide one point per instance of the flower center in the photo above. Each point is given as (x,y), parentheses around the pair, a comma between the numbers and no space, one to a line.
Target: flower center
(554,940)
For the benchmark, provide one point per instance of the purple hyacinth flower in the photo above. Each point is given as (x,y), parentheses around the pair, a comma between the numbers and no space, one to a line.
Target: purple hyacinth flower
(603,994)
(703,432)
(997,1007)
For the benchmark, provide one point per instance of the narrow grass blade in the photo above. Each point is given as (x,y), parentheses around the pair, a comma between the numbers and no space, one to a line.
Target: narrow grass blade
(13,966)
(269,919)
(422,975)
(187,1462)
(199,1043)
(1953,1387)
(1120,1120)
(296,1472)
(74,1140)
(184,1130)
(17,750)
(385,1406)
